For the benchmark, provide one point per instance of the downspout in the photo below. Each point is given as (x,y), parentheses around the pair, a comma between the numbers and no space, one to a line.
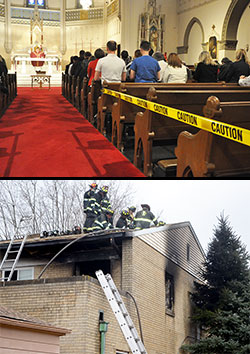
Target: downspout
(103,328)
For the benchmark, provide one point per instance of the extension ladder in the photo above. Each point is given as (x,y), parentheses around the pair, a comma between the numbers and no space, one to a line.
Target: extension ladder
(10,263)
(119,309)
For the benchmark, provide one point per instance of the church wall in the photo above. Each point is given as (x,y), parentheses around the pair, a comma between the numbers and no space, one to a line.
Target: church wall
(243,34)
(209,14)
(18,3)
(70,4)
(114,29)
(195,47)
(169,9)
(54,4)
(87,36)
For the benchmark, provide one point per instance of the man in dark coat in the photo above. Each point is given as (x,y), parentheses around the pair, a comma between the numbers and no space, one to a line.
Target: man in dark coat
(144,218)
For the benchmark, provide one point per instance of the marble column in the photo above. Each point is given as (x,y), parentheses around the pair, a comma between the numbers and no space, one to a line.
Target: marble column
(8,39)
(63,46)
(105,24)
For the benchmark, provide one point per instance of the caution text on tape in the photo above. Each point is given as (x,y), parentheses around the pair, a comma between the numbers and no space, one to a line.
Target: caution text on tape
(228,131)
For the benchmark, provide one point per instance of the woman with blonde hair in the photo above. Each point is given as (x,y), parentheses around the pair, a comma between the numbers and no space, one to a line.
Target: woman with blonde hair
(207,69)
(240,67)
(175,71)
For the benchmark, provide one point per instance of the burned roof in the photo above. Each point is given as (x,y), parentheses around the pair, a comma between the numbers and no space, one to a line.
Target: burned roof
(171,240)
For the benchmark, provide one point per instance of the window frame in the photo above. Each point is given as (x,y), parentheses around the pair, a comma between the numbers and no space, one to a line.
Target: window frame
(188,252)
(171,296)
(39,6)
(18,272)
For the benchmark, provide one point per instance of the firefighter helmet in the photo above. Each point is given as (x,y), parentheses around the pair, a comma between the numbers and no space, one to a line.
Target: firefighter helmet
(125,213)
(93,185)
(132,208)
(161,223)
(145,206)
(105,189)
(110,211)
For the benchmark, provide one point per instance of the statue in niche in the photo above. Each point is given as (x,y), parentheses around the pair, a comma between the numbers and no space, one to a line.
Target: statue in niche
(151,27)
(153,38)
(213,47)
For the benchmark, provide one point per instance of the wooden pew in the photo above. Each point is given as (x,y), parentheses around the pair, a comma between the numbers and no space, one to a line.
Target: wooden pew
(68,87)
(151,127)
(84,97)
(63,84)
(9,83)
(93,95)
(124,112)
(207,155)
(105,103)
(78,94)
(73,90)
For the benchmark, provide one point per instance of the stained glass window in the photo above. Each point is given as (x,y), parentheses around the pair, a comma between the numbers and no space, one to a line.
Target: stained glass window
(39,2)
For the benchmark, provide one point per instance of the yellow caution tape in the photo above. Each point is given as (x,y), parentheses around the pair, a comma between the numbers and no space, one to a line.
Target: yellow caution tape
(224,130)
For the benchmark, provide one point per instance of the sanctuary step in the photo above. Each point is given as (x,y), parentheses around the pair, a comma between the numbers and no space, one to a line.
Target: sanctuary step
(24,80)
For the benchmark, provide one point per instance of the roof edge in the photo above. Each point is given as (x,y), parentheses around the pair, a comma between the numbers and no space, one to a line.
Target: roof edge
(11,322)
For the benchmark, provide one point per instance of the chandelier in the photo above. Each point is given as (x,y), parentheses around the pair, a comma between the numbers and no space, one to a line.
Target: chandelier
(86,4)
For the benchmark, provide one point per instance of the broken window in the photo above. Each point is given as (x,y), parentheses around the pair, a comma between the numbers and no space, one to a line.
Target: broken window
(89,268)
(169,292)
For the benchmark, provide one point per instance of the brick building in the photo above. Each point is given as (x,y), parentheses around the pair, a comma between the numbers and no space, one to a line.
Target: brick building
(158,266)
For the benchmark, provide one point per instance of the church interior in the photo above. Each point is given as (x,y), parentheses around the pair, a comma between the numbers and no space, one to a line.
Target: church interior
(38,39)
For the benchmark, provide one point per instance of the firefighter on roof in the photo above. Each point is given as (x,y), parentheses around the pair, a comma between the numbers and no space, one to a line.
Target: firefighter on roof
(122,222)
(104,221)
(102,202)
(131,217)
(144,218)
(89,205)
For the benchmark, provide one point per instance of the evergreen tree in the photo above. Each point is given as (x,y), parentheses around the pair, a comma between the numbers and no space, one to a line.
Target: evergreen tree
(222,301)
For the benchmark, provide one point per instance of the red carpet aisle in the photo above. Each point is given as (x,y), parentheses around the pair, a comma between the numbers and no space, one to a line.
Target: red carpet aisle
(42,135)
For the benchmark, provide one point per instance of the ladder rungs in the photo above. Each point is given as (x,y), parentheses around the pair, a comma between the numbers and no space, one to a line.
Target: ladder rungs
(13,252)
(9,260)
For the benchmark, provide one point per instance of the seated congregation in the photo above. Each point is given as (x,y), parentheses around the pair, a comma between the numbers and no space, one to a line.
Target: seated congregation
(158,145)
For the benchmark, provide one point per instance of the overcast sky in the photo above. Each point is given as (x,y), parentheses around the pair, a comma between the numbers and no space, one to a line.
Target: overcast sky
(200,202)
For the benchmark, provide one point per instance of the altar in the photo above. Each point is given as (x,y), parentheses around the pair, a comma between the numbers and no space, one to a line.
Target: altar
(23,65)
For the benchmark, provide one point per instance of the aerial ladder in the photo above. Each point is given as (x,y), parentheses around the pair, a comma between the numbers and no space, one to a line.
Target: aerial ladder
(119,309)
(9,263)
